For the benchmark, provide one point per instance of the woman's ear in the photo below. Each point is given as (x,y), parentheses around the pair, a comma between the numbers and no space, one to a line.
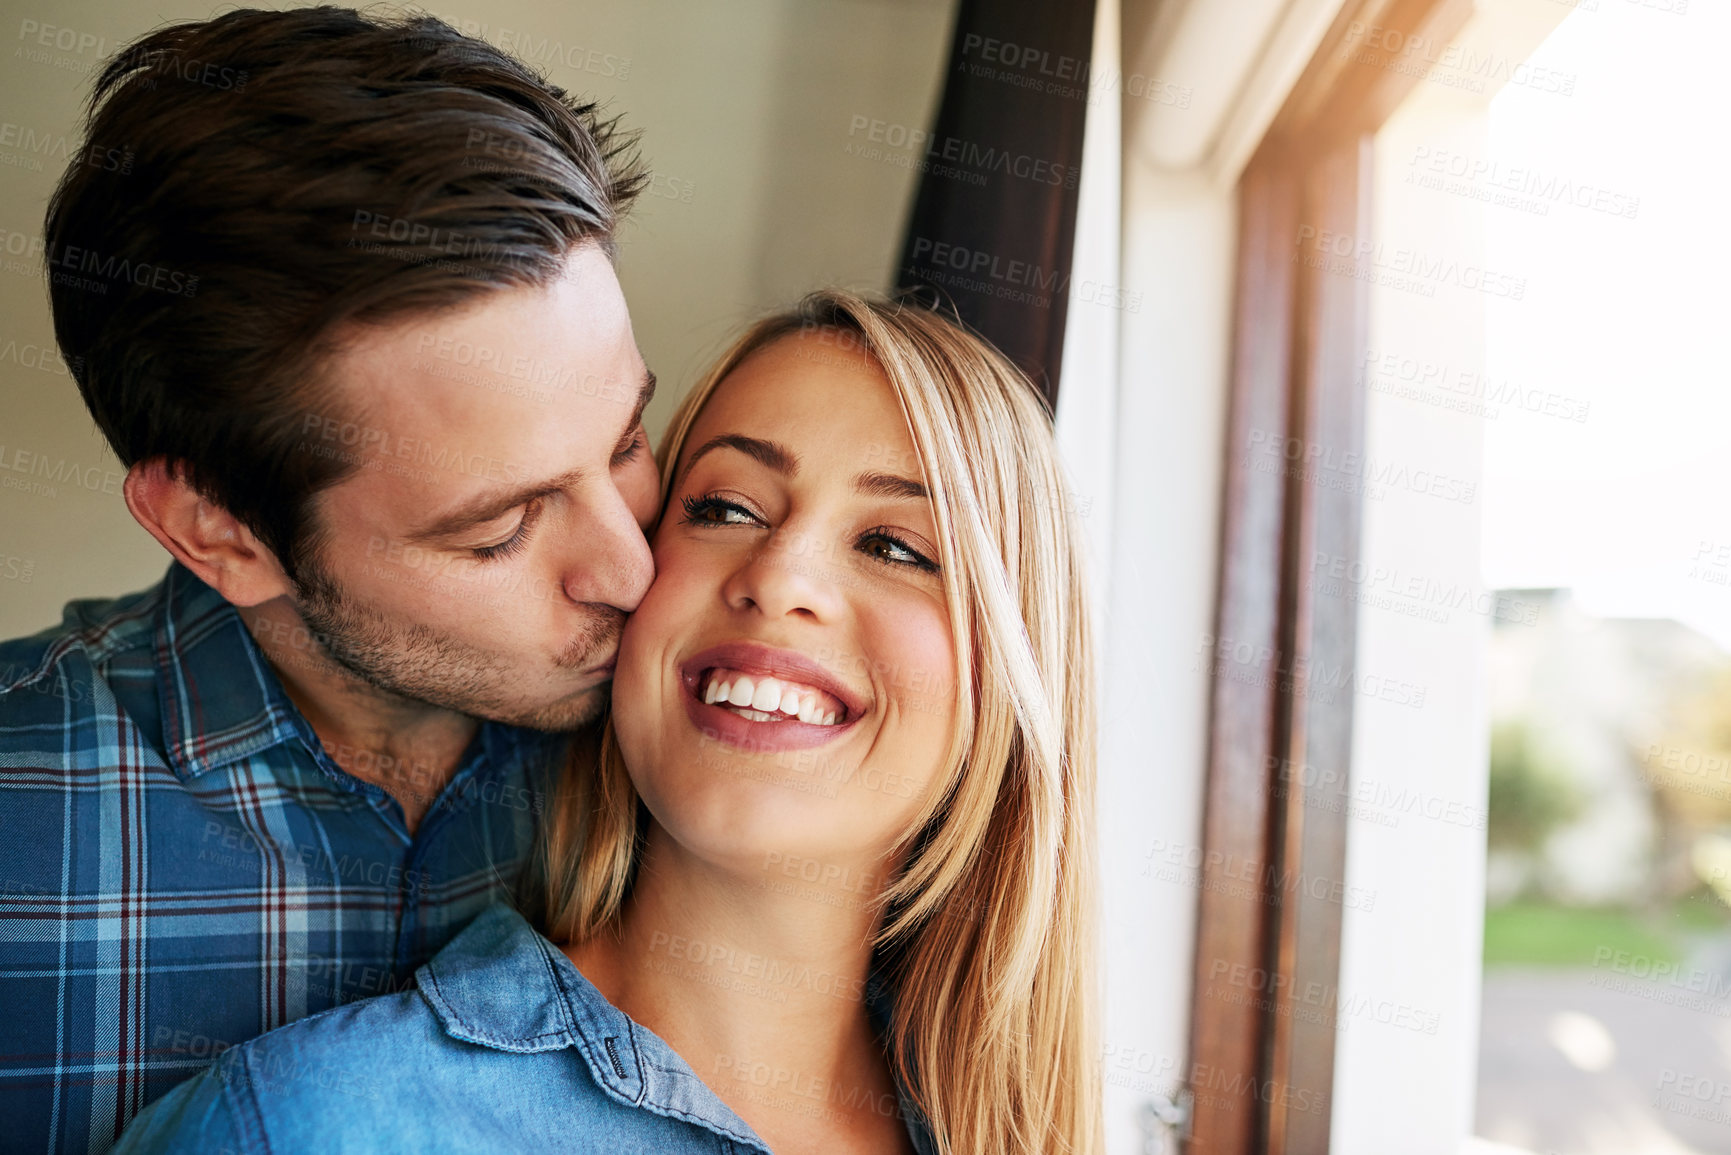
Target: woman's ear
(203,536)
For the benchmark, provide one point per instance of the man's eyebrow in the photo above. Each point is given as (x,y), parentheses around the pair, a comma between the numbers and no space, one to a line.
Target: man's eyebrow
(644,393)
(490,506)
(889,485)
(770,453)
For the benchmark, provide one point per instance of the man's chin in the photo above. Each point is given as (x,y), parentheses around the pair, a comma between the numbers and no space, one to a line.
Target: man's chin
(423,665)
(573,713)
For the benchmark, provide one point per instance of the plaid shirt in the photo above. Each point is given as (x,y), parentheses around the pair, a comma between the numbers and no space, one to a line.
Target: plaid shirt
(183,867)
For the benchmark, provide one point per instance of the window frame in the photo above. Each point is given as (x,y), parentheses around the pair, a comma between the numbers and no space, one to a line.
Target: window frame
(1262,1077)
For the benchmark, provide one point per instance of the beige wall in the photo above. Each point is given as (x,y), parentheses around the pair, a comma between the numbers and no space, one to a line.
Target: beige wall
(745,107)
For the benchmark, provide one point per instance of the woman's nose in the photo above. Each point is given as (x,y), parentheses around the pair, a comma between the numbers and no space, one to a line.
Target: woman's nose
(793,573)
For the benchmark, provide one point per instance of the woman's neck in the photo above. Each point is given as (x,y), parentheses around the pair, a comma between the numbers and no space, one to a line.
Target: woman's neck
(758,980)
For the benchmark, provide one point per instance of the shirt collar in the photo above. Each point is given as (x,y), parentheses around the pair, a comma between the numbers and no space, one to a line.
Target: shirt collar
(220,699)
(222,702)
(502,985)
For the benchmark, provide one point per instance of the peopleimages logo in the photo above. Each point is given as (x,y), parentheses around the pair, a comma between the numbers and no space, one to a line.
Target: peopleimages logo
(1469,389)
(1412,270)
(972,159)
(1482,177)
(766,973)
(1412,594)
(93,271)
(1453,65)
(1384,803)
(20,468)
(1270,451)
(981,263)
(1190,865)
(1257,664)
(1698,990)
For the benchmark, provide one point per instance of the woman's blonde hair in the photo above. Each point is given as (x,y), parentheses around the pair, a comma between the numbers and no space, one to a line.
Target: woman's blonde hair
(987,935)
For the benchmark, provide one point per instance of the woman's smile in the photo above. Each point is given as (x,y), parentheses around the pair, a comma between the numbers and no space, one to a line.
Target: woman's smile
(763,699)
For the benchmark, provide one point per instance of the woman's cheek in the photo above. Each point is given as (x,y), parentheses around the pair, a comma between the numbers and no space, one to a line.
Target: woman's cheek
(676,577)
(683,566)
(921,662)
(650,642)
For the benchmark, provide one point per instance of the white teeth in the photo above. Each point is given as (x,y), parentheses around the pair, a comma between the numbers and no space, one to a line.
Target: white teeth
(765,699)
(767,696)
(742,692)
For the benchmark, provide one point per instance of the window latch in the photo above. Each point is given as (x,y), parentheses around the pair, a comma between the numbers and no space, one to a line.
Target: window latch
(1165,1122)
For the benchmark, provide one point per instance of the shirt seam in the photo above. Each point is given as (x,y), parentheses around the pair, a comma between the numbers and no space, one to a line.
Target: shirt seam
(52,657)
(269,725)
(714,1126)
(637,1059)
(100,642)
(641,1100)
(248,1111)
(580,1037)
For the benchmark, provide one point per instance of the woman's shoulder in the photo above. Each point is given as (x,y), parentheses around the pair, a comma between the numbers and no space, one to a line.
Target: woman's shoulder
(476,1058)
(404,1071)
(352,1062)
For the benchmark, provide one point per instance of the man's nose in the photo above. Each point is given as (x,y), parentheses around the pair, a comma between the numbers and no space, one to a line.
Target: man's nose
(614,566)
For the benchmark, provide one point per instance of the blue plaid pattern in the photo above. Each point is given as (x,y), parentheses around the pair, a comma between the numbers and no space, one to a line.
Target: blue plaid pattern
(183,867)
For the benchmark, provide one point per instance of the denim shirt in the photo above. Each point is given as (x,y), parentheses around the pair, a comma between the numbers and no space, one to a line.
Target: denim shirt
(504,1046)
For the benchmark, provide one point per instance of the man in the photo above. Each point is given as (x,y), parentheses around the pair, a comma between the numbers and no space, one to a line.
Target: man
(348,316)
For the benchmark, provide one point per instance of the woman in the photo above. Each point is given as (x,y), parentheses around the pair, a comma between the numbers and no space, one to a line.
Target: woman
(829,885)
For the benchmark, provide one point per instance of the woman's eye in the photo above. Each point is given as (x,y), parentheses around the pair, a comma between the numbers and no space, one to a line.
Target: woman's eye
(716,511)
(888,548)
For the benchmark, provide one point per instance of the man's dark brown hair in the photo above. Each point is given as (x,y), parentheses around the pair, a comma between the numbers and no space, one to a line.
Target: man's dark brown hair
(251,185)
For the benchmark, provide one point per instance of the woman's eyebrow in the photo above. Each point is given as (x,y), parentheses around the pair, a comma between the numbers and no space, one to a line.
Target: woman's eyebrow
(889,485)
(770,453)
(785,461)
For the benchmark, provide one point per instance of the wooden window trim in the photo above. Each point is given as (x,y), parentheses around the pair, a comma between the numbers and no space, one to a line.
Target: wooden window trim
(1268,933)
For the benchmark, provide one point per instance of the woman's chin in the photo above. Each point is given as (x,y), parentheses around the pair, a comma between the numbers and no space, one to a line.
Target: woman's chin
(740,812)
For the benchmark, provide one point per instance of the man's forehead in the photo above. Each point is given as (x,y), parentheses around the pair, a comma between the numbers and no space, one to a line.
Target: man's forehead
(513,361)
(526,332)
(440,416)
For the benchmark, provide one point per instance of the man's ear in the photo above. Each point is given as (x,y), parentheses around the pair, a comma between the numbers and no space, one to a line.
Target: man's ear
(203,536)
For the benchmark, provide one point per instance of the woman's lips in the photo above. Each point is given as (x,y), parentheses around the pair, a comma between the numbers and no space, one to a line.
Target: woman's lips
(811,706)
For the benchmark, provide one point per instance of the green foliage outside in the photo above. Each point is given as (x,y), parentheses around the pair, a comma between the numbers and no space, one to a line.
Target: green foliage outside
(1532,934)
(1701,912)
(1529,797)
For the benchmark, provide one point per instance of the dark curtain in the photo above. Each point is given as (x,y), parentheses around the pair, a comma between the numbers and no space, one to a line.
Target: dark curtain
(994,222)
